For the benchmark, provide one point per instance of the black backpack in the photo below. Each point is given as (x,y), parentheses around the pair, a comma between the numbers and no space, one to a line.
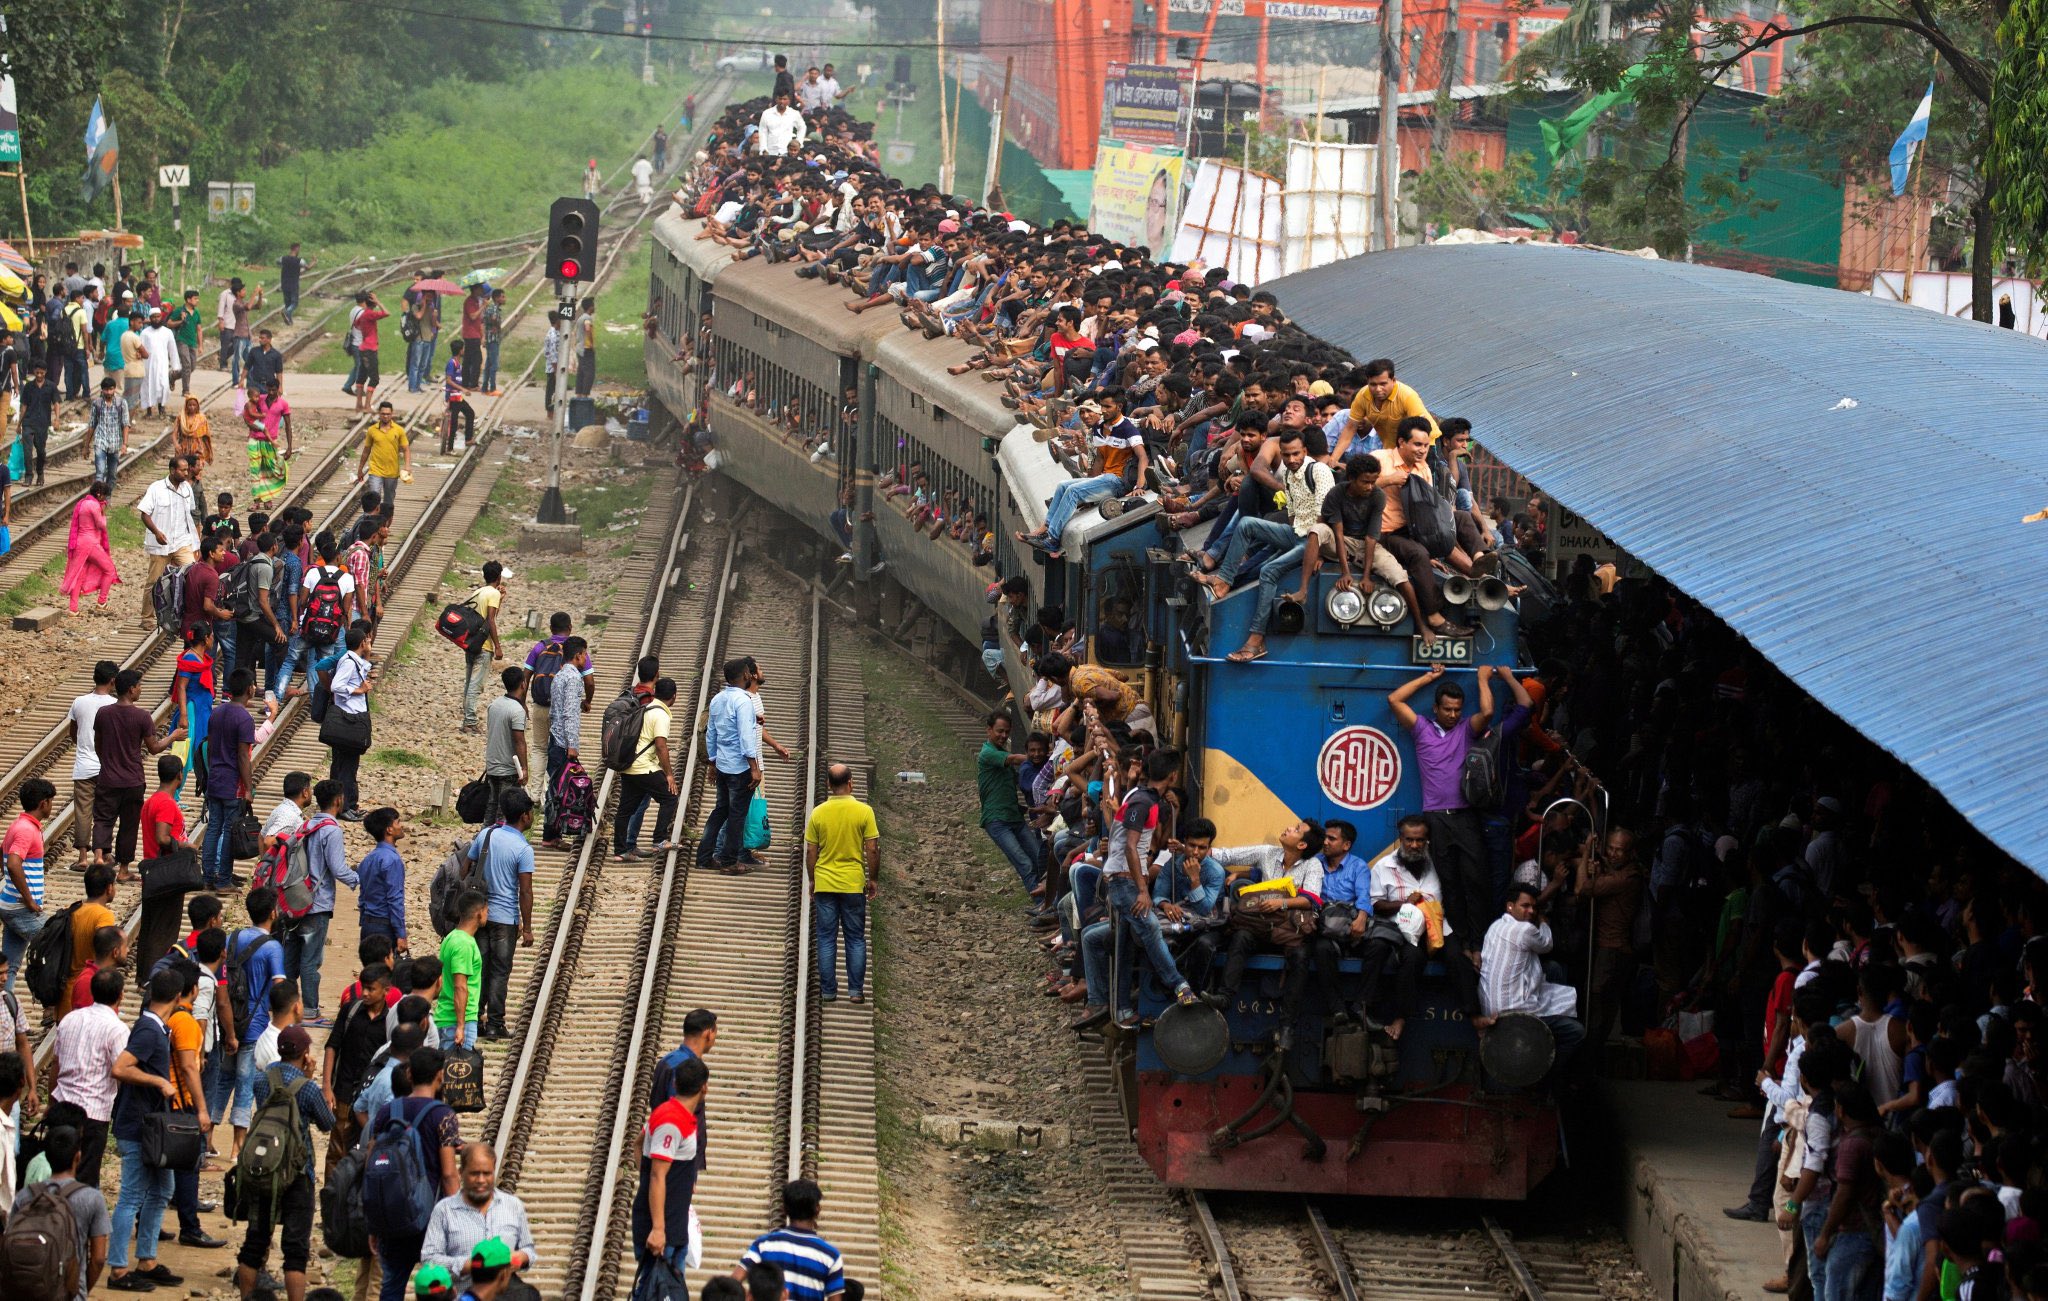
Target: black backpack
(240,996)
(619,734)
(240,593)
(342,1221)
(1479,776)
(540,683)
(1431,524)
(49,958)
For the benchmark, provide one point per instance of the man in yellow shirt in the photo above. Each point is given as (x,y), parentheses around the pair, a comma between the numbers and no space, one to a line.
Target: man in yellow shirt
(1382,403)
(480,659)
(843,858)
(387,455)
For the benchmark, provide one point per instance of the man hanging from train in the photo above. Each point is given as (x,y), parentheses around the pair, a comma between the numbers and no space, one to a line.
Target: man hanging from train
(1513,976)
(1441,742)
(1407,891)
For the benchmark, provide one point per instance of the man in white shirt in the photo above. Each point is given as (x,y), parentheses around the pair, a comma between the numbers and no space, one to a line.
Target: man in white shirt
(1511,975)
(290,813)
(643,179)
(171,537)
(85,759)
(781,127)
(1406,877)
(811,94)
(89,1041)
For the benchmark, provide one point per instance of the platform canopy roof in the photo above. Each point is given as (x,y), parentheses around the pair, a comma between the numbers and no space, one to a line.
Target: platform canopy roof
(1841,480)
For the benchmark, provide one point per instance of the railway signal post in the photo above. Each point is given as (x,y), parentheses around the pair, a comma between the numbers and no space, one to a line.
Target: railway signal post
(571,259)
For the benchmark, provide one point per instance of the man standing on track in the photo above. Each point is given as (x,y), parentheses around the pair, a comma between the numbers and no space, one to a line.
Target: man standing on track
(643,179)
(732,738)
(843,859)
(386,458)
(586,348)
(288,268)
(168,512)
(473,337)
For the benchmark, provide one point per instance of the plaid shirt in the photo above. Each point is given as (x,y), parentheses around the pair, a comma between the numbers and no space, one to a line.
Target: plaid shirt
(109,423)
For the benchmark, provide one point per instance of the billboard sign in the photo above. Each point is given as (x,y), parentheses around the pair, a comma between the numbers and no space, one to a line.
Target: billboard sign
(1146,104)
(1136,197)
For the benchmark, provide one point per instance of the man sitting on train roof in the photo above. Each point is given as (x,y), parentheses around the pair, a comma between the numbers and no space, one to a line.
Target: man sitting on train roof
(1380,407)
(1305,483)
(1119,454)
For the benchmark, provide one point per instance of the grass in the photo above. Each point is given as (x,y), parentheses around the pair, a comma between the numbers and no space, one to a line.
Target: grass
(393,757)
(598,505)
(620,358)
(467,162)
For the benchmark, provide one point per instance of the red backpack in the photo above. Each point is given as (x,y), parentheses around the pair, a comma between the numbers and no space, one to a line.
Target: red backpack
(288,869)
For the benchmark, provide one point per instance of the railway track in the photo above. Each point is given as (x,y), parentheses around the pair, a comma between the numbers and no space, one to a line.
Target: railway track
(792,1088)
(433,515)
(1268,1249)
(44,510)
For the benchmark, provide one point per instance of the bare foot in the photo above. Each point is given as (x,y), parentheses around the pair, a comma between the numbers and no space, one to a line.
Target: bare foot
(1482,1024)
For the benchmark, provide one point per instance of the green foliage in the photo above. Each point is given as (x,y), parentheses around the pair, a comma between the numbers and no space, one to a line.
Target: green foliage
(1456,191)
(2017,158)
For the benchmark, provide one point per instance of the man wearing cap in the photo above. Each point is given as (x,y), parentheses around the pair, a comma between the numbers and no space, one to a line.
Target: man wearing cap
(480,1220)
(1116,454)
(294,1207)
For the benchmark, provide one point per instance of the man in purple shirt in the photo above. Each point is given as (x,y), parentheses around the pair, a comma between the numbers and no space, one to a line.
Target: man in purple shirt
(1456,840)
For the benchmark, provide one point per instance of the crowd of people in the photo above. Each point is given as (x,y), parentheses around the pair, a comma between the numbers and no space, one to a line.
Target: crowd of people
(1866,961)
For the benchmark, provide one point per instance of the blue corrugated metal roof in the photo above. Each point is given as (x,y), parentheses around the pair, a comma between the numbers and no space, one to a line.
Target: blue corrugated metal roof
(1697,417)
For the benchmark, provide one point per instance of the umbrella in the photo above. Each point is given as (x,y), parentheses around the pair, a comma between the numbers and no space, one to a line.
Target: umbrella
(12,260)
(484,276)
(436,286)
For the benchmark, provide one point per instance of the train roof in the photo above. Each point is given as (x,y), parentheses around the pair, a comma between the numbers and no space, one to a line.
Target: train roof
(1841,480)
(679,234)
(919,364)
(774,290)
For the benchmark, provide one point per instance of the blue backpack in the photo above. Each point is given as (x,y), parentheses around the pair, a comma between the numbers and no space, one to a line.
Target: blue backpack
(399,1191)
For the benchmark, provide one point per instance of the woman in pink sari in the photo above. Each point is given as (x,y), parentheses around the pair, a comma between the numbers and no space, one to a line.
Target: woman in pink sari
(90,552)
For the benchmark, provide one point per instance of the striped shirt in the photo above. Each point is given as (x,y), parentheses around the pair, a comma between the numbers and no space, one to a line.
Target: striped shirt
(1511,975)
(89,1041)
(812,1268)
(25,838)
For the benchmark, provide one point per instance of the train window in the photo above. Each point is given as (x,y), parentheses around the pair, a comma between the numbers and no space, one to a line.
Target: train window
(1118,616)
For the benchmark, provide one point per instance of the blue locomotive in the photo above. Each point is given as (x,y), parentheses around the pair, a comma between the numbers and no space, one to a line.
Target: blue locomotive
(853,427)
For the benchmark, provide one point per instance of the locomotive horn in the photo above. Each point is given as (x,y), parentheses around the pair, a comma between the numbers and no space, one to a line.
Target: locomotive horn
(1458,590)
(1492,593)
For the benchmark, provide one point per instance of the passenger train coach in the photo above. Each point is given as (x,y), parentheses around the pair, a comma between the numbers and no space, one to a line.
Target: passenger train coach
(1307,732)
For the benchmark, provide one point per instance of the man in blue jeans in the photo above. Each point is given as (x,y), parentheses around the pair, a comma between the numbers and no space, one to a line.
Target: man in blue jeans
(327,862)
(257,948)
(732,737)
(230,777)
(1002,813)
(1119,453)
(1306,482)
(144,1075)
(1129,900)
(843,859)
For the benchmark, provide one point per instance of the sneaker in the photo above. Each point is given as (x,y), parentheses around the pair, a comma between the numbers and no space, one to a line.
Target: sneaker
(1748,1214)
(202,1240)
(158,1274)
(130,1282)
(352,815)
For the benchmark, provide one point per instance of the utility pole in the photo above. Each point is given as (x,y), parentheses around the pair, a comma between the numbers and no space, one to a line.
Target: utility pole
(945,134)
(1603,32)
(995,135)
(1445,111)
(1389,204)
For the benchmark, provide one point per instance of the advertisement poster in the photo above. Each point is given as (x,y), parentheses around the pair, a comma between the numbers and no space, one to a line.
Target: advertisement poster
(1143,104)
(1136,199)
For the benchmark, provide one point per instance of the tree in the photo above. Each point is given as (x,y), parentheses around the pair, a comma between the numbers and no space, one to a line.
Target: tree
(1456,190)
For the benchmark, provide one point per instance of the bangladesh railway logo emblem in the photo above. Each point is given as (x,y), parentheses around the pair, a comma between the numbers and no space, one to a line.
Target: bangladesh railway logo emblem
(1359,768)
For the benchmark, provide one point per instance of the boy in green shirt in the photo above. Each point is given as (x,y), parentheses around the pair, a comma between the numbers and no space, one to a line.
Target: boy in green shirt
(462,967)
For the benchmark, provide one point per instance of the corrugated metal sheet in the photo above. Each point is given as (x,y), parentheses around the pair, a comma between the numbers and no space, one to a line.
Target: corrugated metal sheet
(1703,420)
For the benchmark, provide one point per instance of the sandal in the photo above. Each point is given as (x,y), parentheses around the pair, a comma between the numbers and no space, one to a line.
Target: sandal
(1246,657)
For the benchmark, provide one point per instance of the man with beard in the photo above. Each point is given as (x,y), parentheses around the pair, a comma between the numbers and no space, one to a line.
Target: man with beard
(1406,891)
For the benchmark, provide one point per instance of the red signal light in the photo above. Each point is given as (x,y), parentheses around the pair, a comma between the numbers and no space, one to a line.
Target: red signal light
(570,269)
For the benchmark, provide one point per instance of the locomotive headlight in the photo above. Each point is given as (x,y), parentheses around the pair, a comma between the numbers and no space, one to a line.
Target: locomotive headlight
(1385,607)
(1345,605)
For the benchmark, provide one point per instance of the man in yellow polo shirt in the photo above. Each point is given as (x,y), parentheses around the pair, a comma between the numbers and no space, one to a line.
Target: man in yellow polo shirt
(387,454)
(843,858)
(1382,403)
